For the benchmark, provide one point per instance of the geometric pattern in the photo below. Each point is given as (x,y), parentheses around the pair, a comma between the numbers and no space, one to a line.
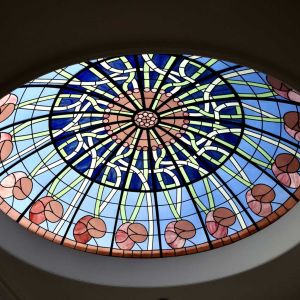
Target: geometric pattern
(149,155)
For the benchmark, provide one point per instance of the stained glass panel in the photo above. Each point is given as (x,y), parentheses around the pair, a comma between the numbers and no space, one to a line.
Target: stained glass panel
(149,155)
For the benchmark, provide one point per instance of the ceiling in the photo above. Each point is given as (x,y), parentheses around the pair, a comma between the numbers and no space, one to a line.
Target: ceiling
(38,36)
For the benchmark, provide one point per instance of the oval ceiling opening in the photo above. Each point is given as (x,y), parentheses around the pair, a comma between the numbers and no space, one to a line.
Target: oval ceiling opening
(150,155)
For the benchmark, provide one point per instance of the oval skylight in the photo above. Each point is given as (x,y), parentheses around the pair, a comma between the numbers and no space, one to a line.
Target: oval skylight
(149,155)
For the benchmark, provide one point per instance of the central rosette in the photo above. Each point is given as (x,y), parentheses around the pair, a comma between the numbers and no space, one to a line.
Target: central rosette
(146,119)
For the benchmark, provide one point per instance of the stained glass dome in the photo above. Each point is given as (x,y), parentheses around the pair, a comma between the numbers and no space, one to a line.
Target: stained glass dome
(150,155)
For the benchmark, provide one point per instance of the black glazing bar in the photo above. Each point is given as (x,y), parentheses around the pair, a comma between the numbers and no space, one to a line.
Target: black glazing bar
(74,89)
(123,190)
(229,99)
(260,130)
(140,79)
(150,162)
(197,81)
(92,114)
(118,86)
(165,78)
(56,139)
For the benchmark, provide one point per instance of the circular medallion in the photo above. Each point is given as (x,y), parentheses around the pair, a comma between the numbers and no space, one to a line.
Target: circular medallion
(141,120)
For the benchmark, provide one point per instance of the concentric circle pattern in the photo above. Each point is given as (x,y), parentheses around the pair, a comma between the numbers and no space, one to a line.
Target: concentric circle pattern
(149,155)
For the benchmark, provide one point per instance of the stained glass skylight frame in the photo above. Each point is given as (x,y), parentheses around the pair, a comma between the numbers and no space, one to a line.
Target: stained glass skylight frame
(246,122)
